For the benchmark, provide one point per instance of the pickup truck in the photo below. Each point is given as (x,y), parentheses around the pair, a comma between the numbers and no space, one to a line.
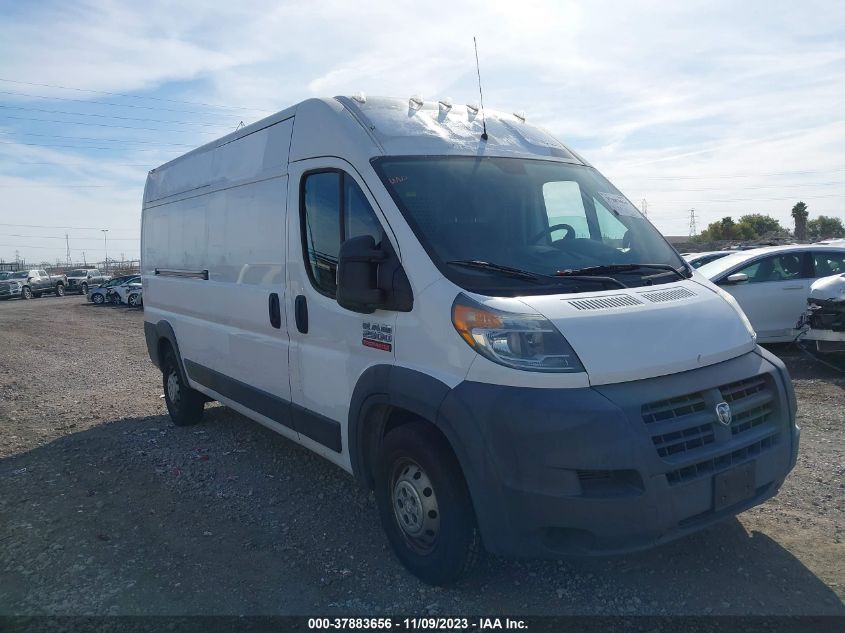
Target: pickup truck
(27,284)
(81,279)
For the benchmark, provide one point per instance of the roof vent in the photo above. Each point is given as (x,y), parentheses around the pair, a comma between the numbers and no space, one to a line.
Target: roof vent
(520,115)
(472,107)
(605,303)
(415,103)
(360,97)
(445,104)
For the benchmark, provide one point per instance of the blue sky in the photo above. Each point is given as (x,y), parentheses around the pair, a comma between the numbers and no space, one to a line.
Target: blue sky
(724,107)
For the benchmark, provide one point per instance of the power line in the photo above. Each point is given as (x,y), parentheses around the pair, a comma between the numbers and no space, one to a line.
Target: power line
(122,127)
(94,138)
(59,226)
(103,103)
(61,237)
(772,173)
(52,185)
(66,164)
(130,96)
(109,116)
(133,149)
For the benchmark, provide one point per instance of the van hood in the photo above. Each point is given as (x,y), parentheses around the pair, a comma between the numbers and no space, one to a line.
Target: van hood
(637,333)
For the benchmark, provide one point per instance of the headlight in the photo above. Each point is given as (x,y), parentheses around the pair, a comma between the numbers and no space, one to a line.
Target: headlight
(522,341)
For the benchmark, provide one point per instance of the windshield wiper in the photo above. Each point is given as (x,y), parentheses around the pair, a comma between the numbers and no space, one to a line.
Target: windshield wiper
(499,268)
(618,268)
(524,274)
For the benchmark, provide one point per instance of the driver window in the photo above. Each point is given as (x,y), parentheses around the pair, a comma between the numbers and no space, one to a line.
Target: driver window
(564,205)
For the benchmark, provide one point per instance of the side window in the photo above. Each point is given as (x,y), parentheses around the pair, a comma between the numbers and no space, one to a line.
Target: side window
(829,263)
(775,268)
(333,209)
(358,216)
(42,273)
(612,230)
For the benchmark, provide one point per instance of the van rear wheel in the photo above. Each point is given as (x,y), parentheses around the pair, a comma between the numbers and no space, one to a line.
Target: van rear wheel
(185,405)
(425,506)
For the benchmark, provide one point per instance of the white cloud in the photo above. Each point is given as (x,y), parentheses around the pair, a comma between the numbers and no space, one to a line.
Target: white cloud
(647,91)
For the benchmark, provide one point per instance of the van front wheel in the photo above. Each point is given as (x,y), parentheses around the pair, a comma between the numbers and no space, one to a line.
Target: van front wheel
(185,405)
(425,506)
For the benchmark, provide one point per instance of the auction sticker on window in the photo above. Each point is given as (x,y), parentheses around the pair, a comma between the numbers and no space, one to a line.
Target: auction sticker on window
(620,204)
(377,336)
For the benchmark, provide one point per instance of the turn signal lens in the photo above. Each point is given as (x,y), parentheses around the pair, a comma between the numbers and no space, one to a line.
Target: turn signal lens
(522,341)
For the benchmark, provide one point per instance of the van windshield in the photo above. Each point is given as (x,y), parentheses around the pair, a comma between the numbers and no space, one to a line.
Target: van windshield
(558,222)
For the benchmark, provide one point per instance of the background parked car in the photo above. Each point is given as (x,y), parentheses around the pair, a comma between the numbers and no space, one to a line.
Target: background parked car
(27,284)
(772,284)
(102,294)
(697,260)
(136,296)
(120,292)
(81,279)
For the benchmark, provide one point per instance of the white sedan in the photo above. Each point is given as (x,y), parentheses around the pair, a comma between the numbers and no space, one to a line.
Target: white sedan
(772,284)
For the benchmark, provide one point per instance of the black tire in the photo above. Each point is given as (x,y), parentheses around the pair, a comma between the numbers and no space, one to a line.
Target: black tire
(184,404)
(60,290)
(83,289)
(26,292)
(448,543)
(98,298)
(115,299)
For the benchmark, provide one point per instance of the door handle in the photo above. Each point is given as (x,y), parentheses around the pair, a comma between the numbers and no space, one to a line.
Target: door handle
(300,313)
(275,312)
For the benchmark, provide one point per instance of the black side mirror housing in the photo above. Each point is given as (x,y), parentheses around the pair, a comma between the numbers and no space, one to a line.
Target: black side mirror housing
(370,277)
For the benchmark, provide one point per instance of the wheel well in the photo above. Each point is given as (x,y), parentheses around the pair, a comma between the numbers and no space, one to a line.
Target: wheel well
(163,347)
(381,420)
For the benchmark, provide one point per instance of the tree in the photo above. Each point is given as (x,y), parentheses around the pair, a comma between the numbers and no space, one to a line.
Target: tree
(824,227)
(799,214)
(751,226)
(762,225)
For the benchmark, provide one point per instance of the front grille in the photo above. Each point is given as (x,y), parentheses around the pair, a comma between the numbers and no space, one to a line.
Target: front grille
(684,440)
(673,408)
(686,427)
(721,462)
(742,389)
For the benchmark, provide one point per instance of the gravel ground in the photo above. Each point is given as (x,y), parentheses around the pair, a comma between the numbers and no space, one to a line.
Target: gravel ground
(107,508)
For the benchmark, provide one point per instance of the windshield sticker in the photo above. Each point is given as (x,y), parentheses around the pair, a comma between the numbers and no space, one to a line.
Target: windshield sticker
(619,203)
(377,336)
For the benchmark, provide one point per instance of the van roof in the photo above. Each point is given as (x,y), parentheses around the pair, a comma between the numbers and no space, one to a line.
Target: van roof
(428,128)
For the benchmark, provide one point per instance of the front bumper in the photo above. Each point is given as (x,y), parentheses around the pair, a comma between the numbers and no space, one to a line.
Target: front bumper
(7,293)
(619,467)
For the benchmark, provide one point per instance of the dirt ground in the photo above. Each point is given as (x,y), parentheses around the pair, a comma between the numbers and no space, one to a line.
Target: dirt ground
(107,508)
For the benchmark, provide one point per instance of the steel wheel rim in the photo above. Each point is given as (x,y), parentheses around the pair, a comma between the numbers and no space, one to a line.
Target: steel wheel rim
(98,298)
(415,506)
(173,387)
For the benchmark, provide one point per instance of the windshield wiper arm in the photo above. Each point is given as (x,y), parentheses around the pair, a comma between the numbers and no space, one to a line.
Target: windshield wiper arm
(524,274)
(499,268)
(618,268)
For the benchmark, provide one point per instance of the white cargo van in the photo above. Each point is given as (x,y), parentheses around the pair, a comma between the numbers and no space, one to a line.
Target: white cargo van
(485,330)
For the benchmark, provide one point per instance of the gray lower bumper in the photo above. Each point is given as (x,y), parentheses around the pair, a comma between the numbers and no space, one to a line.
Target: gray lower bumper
(620,467)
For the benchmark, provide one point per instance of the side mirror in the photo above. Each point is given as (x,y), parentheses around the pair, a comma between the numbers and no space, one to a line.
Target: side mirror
(737,278)
(371,278)
(357,274)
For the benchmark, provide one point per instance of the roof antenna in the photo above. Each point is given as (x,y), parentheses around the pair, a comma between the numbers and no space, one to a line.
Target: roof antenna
(240,125)
(480,94)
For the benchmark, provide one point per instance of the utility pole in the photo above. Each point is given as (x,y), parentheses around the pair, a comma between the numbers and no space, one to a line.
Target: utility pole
(106,245)
(693,231)
(645,207)
(84,261)
(67,243)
